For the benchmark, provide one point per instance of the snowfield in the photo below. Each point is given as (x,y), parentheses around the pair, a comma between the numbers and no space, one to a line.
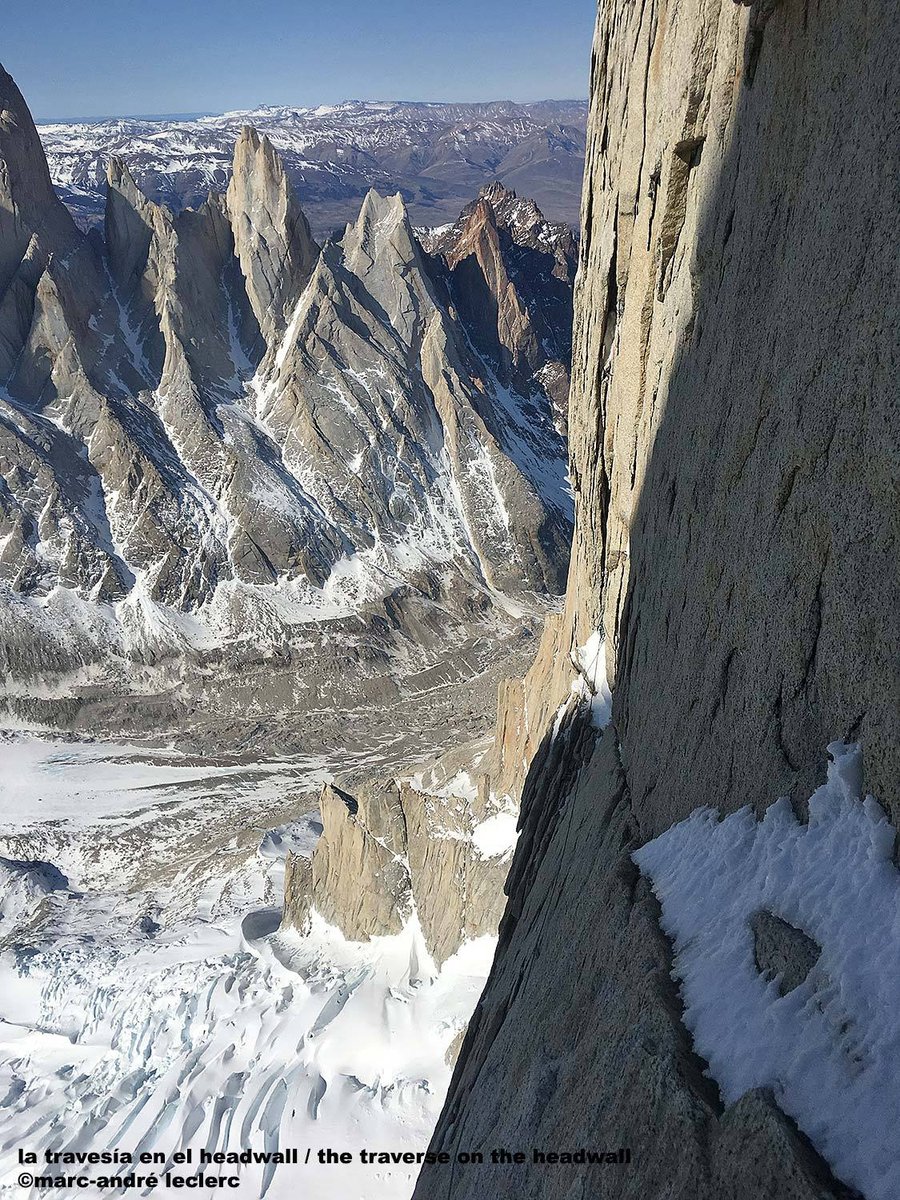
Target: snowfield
(149,1001)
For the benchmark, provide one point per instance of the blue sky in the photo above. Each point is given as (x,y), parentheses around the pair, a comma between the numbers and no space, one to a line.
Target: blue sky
(110,57)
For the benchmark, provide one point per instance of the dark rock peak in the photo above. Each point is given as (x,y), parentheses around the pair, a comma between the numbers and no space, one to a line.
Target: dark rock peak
(519,218)
(509,274)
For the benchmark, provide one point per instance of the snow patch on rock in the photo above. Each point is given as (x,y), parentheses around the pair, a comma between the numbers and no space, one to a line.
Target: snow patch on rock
(829,1047)
(590,684)
(495,837)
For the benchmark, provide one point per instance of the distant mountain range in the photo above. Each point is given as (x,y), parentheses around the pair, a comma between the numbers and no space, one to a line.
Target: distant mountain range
(436,155)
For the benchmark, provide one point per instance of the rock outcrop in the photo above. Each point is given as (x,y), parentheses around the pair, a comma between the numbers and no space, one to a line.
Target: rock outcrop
(395,852)
(734,445)
(215,435)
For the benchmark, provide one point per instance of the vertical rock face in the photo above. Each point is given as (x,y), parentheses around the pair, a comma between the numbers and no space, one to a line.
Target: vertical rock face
(736,431)
(28,203)
(735,434)
(40,251)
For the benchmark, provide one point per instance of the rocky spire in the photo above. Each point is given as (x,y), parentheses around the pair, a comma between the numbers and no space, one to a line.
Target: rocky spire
(483,286)
(510,275)
(520,218)
(381,249)
(272,239)
(51,280)
(130,222)
(35,226)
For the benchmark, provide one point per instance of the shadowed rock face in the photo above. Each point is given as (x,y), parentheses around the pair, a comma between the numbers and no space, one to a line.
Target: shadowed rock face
(734,442)
(205,405)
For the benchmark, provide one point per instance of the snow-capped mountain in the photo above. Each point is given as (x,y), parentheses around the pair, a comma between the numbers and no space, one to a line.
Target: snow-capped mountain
(214,432)
(436,155)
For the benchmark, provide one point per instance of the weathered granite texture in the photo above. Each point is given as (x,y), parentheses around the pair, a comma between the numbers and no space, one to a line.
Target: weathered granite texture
(735,422)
